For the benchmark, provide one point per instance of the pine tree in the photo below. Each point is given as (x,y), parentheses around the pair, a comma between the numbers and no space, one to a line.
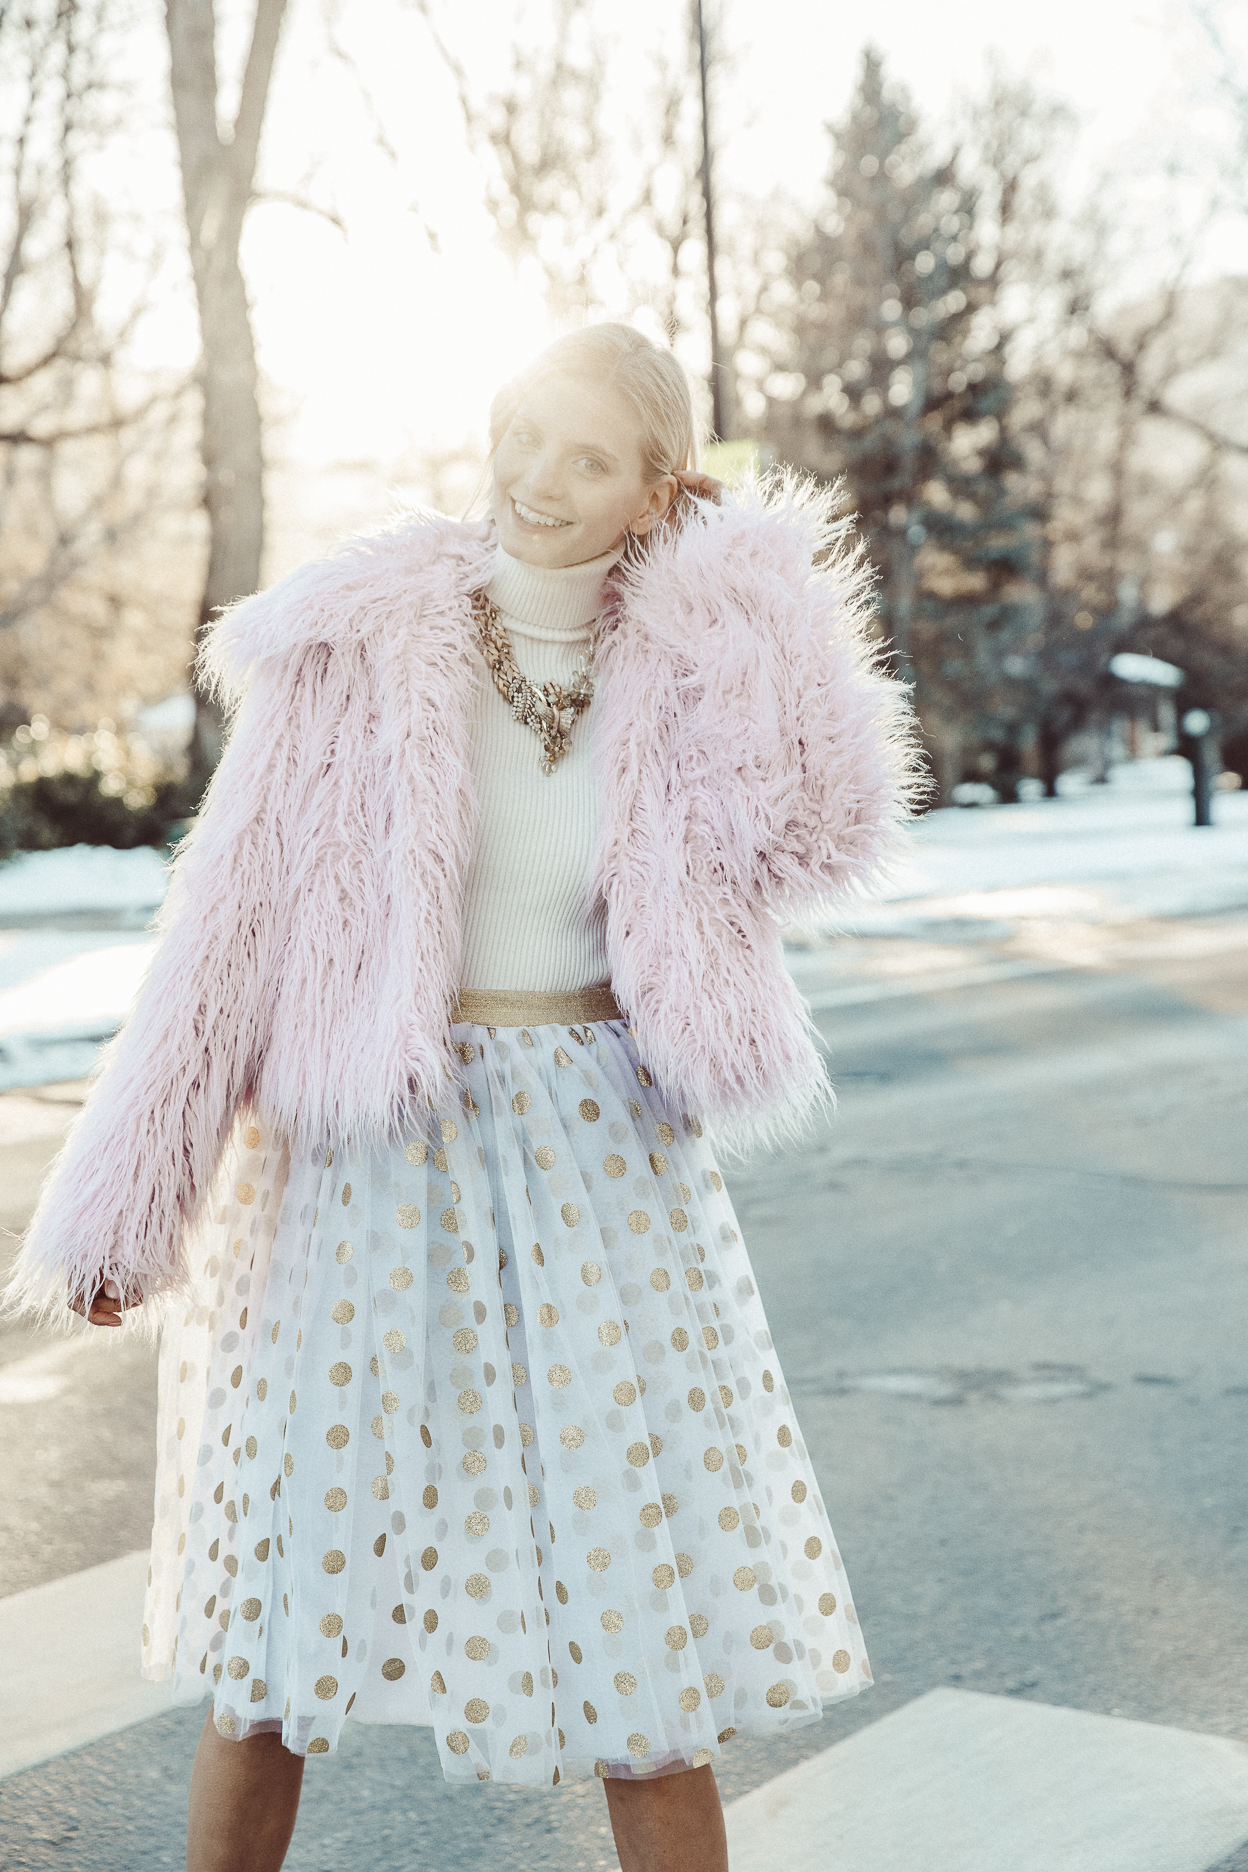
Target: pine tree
(896,381)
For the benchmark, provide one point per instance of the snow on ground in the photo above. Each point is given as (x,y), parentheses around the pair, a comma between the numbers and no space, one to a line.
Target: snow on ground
(73,949)
(73,946)
(38,886)
(61,995)
(1104,853)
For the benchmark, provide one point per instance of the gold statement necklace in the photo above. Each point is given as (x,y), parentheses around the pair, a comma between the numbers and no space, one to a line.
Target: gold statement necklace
(551,710)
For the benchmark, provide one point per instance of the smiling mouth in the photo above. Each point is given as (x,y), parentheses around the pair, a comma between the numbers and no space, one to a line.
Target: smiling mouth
(531,517)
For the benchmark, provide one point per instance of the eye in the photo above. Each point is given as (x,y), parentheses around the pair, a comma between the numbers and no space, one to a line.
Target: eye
(589,464)
(525,437)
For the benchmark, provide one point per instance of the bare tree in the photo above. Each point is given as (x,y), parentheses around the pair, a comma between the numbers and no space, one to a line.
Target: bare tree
(1230,89)
(218,184)
(1126,414)
(547,158)
(86,439)
(613,211)
(677,211)
(668,206)
(719,372)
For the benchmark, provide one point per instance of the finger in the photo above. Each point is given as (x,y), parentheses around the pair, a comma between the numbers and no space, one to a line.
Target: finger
(81,1299)
(102,1304)
(703,484)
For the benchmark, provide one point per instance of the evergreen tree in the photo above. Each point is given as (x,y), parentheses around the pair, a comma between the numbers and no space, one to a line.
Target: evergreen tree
(894,378)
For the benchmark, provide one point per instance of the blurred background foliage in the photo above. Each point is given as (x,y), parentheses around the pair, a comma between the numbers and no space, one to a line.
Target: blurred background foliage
(1045,443)
(97,788)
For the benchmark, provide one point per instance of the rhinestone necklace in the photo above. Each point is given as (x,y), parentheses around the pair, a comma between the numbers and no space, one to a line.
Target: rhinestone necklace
(551,710)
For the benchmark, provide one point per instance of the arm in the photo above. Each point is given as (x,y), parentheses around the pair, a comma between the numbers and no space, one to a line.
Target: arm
(847,774)
(143,1152)
(808,744)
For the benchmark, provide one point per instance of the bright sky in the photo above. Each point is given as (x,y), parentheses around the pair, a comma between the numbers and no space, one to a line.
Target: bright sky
(378,347)
(1114,60)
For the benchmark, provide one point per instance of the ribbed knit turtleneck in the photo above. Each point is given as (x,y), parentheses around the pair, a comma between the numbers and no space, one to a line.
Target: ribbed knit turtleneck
(527,921)
(557,605)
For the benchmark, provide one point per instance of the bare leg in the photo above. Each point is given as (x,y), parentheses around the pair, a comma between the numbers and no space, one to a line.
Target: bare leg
(672,1824)
(244,1798)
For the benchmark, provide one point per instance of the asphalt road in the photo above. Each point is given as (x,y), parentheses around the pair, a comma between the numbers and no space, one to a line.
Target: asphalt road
(1009,1287)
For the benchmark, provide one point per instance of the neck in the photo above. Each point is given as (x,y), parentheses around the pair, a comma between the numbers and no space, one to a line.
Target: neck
(555,602)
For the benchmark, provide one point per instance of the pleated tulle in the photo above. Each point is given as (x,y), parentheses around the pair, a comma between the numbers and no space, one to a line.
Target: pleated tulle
(486,1431)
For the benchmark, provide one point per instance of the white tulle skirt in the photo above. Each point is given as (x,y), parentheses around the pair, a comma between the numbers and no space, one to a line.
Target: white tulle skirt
(486,1431)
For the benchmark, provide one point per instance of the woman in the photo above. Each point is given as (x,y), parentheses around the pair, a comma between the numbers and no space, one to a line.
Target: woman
(469,1414)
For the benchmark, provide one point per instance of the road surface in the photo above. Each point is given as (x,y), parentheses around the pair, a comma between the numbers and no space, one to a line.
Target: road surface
(1009,1287)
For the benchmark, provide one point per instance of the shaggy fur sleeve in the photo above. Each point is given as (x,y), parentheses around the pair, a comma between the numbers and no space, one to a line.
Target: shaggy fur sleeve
(847,772)
(144,1149)
(804,747)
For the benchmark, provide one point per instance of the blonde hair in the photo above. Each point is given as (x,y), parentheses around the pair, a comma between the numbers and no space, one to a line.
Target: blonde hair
(623,359)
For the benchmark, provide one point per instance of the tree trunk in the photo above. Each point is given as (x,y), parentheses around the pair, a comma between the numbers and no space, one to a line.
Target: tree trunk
(942,742)
(233,469)
(217,178)
(903,579)
(900,592)
(720,417)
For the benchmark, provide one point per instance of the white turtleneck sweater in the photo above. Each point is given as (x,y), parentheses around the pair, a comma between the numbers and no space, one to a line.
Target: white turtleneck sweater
(528,923)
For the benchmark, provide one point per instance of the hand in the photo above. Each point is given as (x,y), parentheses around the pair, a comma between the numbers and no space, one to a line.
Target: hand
(107,1305)
(705,486)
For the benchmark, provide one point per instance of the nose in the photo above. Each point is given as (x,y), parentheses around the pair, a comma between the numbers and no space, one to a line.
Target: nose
(544,480)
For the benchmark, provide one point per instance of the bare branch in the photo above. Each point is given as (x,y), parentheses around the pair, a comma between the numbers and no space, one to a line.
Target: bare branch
(290,198)
(380,135)
(110,425)
(1230,78)
(548,168)
(376,123)
(1217,439)
(86,438)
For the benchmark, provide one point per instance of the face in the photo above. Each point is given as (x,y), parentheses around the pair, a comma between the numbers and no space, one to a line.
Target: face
(569,482)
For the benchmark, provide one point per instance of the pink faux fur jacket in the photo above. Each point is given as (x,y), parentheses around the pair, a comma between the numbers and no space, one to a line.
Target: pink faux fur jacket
(752,762)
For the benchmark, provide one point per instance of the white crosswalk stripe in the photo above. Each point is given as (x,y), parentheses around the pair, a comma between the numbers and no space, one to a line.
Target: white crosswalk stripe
(71,1651)
(959,1782)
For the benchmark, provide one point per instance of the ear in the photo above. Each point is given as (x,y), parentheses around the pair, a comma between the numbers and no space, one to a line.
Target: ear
(661,496)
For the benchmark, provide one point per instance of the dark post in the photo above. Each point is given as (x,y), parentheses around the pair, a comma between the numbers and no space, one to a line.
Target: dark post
(717,386)
(1201,788)
(1196,725)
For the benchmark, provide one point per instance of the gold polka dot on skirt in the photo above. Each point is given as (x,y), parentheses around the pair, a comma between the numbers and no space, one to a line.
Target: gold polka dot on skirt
(485,1430)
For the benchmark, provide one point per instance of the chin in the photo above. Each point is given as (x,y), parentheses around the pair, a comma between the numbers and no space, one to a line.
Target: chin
(537,552)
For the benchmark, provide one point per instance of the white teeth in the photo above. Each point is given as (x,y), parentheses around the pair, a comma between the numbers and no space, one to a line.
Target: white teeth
(536,519)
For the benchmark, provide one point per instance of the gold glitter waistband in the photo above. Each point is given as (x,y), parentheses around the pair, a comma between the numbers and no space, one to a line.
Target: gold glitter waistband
(520,1007)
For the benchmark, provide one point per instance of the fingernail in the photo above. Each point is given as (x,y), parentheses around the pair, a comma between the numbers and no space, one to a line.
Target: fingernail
(112,1290)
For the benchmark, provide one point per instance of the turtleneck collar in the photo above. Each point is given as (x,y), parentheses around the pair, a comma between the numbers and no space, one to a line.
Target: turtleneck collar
(556,603)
